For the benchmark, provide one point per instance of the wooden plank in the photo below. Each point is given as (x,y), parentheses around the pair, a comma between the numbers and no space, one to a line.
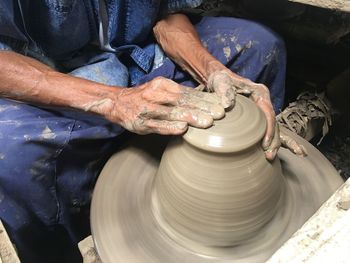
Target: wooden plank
(7,251)
(340,5)
(325,237)
(88,251)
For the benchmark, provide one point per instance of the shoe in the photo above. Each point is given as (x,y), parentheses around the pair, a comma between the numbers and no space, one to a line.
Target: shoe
(309,115)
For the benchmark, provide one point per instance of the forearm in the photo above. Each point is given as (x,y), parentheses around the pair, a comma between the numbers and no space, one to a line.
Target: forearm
(25,79)
(158,106)
(180,41)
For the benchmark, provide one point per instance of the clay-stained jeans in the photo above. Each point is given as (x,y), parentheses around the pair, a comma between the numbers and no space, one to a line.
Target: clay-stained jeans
(50,158)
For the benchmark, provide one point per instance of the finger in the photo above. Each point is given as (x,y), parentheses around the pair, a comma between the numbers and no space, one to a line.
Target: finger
(193,117)
(165,127)
(272,150)
(271,123)
(171,93)
(191,102)
(175,88)
(261,96)
(188,101)
(292,145)
(227,94)
(245,92)
(270,129)
(224,87)
(206,96)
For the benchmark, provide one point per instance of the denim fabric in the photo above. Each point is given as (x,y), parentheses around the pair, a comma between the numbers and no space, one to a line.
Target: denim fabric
(49,161)
(31,27)
(50,158)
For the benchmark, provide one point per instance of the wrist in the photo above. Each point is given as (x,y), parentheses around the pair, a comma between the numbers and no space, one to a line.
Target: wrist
(102,101)
(78,93)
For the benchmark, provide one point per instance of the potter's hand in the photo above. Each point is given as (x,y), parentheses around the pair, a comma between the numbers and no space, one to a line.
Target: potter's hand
(289,143)
(165,107)
(180,41)
(226,84)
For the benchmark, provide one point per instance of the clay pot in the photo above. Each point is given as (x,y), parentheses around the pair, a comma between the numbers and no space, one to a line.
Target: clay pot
(215,186)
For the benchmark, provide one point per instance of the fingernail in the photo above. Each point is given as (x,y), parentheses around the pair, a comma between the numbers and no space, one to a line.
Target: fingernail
(217,112)
(226,103)
(181,125)
(304,151)
(301,151)
(204,121)
(271,154)
(228,99)
(266,143)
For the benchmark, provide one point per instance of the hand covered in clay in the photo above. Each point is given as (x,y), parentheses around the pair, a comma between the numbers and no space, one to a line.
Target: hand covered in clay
(165,107)
(226,85)
(289,143)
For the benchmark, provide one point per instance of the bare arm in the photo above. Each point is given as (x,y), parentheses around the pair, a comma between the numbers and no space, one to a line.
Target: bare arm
(180,41)
(25,79)
(159,106)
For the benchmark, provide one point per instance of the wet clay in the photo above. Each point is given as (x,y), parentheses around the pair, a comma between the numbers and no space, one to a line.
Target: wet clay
(145,210)
(215,200)
(215,186)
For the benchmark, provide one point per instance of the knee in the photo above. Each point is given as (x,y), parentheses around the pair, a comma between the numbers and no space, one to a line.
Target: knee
(244,35)
(261,39)
(265,42)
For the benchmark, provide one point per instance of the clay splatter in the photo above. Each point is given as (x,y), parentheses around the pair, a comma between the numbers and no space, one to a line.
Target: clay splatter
(10,107)
(238,48)
(249,44)
(227,52)
(47,133)
(205,44)
(220,39)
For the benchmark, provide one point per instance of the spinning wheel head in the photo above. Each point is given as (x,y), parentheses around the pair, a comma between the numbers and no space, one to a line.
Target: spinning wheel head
(216,202)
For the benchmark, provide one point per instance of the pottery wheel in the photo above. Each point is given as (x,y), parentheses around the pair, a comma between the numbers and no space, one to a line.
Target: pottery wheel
(125,229)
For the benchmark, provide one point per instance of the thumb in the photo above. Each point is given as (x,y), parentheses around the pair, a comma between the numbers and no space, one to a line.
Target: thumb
(222,84)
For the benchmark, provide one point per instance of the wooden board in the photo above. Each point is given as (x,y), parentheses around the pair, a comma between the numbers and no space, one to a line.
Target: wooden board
(7,251)
(340,5)
(88,251)
(325,237)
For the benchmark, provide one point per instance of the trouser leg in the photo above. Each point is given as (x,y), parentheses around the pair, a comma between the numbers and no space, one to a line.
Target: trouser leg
(48,166)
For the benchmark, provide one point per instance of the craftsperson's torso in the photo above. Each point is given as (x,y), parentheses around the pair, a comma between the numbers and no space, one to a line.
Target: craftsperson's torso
(81,34)
(62,26)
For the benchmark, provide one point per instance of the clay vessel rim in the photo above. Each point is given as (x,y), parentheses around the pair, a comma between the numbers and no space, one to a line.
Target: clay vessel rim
(241,128)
